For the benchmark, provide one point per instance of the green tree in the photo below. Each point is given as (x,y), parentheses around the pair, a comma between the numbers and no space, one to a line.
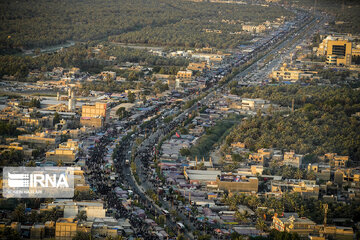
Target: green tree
(56,118)
(131,97)
(121,112)
(81,216)
(185,152)
(18,215)
(82,236)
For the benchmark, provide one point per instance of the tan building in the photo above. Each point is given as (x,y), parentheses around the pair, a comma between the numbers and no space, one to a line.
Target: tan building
(66,228)
(254,28)
(40,138)
(292,159)
(184,74)
(252,104)
(66,152)
(291,74)
(339,52)
(197,66)
(94,115)
(238,145)
(336,160)
(291,222)
(321,171)
(236,183)
(64,155)
(306,188)
(108,75)
(18,147)
(261,156)
(92,122)
(93,111)
(344,233)
(44,121)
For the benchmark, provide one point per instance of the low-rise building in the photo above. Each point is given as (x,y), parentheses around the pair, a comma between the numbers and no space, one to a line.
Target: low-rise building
(43,138)
(193,66)
(336,160)
(184,74)
(292,159)
(306,188)
(235,183)
(66,152)
(108,75)
(254,28)
(261,156)
(292,223)
(322,171)
(66,228)
(286,73)
(93,209)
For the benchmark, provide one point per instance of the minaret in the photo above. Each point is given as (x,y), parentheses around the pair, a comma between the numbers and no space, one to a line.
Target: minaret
(58,96)
(72,100)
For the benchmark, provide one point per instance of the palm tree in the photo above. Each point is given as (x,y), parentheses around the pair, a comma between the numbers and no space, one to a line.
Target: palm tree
(241,217)
(81,216)
(260,224)
(298,174)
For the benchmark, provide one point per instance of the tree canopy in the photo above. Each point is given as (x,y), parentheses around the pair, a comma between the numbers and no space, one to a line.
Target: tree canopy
(323,120)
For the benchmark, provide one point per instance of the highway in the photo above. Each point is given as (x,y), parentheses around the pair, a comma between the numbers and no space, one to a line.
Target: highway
(144,152)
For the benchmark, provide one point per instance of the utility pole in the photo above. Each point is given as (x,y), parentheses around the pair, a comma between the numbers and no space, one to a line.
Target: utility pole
(292,105)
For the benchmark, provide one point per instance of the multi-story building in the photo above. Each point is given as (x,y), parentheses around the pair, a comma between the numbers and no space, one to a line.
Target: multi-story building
(261,156)
(254,28)
(18,147)
(339,52)
(108,75)
(94,115)
(252,104)
(197,66)
(237,183)
(322,171)
(93,111)
(292,159)
(336,160)
(291,222)
(45,121)
(286,73)
(66,228)
(184,74)
(238,145)
(66,152)
(306,188)
(93,209)
(43,138)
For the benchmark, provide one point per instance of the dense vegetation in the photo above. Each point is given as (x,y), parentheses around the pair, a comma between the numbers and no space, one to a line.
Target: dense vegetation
(213,135)
(142,56)
(39,23)
(322,121)
(81,56)
(293,202)
(346,11)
